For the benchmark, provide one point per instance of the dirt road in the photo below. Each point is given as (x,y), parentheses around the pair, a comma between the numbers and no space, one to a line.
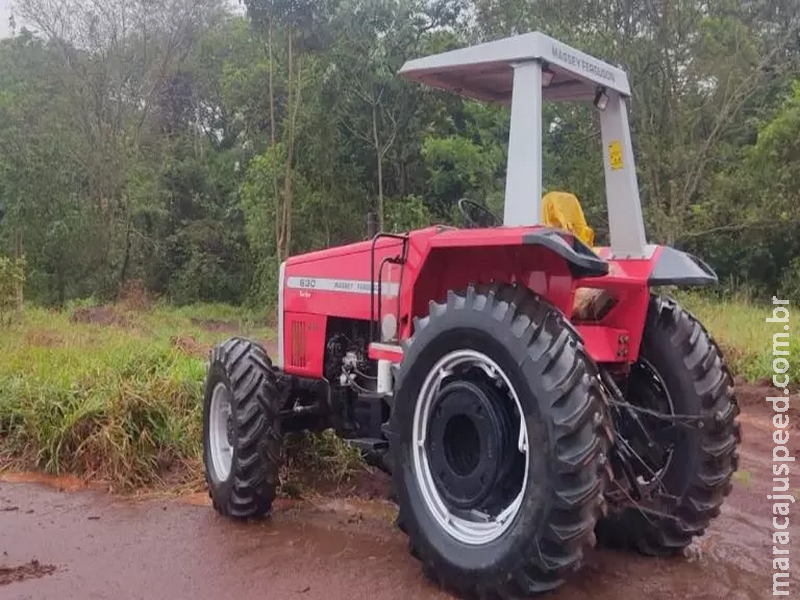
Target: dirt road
(65,544)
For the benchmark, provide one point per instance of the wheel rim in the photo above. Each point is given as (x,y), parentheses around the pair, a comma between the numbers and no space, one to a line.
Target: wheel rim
(470,520)
(221,432)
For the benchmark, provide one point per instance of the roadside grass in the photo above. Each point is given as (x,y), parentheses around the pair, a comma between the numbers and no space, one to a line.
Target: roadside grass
(739,326)
(114,393)
(317,461)
(109,393)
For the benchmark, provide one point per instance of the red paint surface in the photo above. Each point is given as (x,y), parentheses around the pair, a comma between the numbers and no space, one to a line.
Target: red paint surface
(439,260)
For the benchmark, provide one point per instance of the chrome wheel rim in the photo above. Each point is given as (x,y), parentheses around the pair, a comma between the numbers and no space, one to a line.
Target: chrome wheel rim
(221,432)
(484,528)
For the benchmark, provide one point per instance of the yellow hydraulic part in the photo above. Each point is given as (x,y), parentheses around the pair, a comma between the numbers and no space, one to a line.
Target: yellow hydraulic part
(562,210)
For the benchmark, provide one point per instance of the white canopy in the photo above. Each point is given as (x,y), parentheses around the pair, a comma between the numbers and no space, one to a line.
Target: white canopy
(485,72)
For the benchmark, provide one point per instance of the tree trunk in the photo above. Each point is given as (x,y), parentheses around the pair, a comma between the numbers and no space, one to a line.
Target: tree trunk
(126,259)
(379,156)
(280,209)
(18,257)
(271,89)
(275,191)
(292,135)
(293,106)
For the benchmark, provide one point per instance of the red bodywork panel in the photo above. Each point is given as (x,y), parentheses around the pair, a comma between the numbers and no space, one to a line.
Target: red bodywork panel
(336,283)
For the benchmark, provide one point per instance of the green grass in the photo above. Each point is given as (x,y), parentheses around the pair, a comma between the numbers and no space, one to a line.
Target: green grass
(115,393)
(119,400)
(745,478)
(739,326)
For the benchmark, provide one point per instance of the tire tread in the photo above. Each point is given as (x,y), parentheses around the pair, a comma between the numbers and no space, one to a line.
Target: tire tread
(718,458)
(258,454)
(578,444)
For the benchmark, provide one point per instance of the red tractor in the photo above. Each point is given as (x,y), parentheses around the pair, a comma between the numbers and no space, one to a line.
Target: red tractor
(529,394)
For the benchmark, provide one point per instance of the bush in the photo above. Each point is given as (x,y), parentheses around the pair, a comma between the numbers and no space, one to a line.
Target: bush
(125,411)
(790,283)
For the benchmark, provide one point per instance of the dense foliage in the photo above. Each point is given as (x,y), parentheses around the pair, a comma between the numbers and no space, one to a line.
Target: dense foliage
(193,146)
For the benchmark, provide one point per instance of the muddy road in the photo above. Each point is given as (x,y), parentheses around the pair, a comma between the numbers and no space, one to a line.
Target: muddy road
(60,543)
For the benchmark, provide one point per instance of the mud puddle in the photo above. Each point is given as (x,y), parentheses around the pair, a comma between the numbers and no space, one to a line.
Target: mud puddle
(347,548)
(30,570)
(62,483)
(111,548)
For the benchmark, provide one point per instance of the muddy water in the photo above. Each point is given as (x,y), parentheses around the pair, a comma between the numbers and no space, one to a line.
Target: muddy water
(60,542)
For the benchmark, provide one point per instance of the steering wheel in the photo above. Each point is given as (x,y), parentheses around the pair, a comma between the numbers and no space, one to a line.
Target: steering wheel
(482,217)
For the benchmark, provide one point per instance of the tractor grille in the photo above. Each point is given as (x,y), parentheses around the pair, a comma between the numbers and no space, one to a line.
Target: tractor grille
(298,342)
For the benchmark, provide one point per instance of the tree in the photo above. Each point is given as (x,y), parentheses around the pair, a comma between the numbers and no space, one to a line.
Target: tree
(115,60)
(196,149)
(303,23)
(374,39)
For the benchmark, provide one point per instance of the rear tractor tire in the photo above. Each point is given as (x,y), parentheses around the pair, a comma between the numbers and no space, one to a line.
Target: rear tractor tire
(242,441)
(681,371)
(499,435)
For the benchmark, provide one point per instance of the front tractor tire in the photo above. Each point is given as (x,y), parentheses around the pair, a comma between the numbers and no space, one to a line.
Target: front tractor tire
(681,371)
(242,441)
(500,435)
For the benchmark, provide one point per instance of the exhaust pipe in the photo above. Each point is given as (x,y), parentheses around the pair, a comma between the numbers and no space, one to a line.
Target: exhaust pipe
(372,225)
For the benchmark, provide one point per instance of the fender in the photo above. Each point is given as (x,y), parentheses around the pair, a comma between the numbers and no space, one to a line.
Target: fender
(581,259)
(675,267)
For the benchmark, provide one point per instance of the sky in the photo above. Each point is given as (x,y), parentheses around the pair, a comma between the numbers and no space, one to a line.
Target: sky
(5,12)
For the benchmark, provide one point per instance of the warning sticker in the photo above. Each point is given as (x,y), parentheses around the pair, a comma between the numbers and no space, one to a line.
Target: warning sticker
(615,155)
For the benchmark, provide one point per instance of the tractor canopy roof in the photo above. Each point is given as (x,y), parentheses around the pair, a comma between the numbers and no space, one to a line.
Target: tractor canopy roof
(486,71)
(523,71)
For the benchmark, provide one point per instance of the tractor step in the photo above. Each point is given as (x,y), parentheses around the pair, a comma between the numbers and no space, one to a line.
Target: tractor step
(391,352)
(369,444)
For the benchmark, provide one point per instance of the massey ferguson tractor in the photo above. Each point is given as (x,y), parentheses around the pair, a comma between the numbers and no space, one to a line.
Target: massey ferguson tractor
(529,394)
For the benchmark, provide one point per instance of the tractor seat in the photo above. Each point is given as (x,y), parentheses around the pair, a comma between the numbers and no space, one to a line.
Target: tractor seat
(563,211)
